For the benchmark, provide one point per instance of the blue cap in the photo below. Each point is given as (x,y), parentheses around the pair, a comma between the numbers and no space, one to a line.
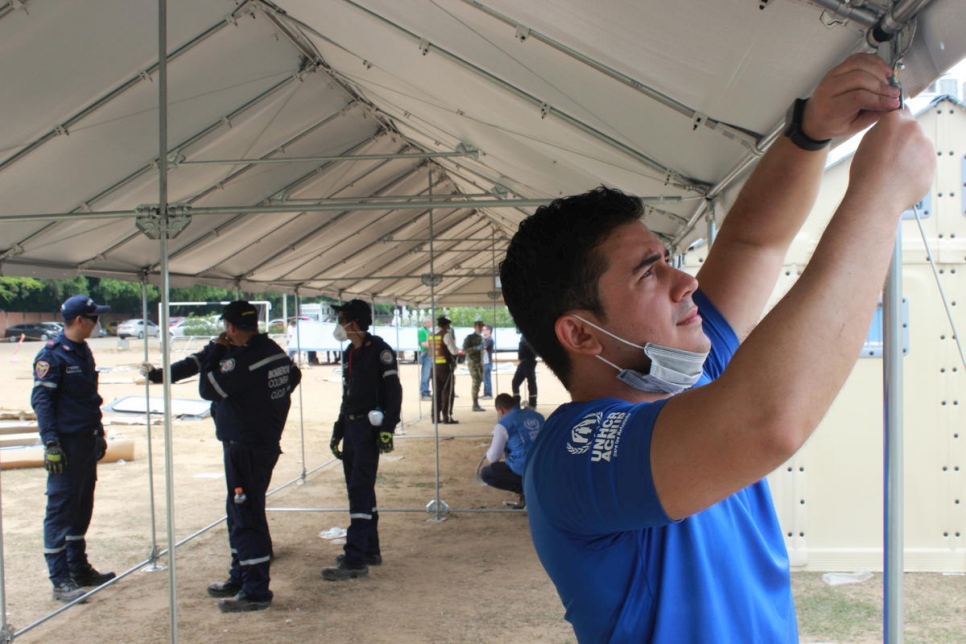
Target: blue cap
(81,305)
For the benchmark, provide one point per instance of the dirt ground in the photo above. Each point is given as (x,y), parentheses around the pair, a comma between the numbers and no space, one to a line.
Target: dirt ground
(472,577)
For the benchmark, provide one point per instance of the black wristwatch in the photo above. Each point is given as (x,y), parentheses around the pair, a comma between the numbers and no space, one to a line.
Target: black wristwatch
(793,128)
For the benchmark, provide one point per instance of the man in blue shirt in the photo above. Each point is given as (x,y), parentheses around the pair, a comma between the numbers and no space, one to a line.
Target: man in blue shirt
(513,435)
(68,411)
(646,494)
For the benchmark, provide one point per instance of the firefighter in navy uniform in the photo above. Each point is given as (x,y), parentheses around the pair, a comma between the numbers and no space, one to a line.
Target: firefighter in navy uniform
(68,411)
(249,380)
(371,402)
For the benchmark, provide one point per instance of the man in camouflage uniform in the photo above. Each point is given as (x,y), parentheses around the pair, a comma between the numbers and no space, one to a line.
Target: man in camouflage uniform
(473,348)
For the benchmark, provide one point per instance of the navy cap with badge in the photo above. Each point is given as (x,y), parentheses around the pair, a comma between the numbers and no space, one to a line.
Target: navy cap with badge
(241,313)
(357,311)
(81,305)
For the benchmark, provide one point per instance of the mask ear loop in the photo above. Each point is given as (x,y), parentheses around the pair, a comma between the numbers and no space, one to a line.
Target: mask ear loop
(603,359)
(603,330)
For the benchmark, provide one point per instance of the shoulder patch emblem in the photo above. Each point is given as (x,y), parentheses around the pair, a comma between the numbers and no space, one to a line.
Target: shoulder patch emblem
(227,365)
(386,356)
(41,368)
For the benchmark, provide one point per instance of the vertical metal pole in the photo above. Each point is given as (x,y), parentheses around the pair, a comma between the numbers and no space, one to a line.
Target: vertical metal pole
(153,556)
(437,395)
(165,291)
(710,219)
(6,631)
(494,376)
(892,457)
(298,354)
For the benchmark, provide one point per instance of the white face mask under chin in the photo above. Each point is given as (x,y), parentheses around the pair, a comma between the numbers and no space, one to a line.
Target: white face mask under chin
(672,370)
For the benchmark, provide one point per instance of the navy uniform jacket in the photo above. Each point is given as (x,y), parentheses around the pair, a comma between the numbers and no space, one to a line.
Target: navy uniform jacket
(370,379)
(252,385)
(65,394)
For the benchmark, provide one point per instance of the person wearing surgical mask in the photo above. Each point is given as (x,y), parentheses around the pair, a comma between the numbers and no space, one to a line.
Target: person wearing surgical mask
(646,493)
(370,411)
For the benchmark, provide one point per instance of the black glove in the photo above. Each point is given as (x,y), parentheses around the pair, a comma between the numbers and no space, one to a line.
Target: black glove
(55,461)
(384,442)
(338,432)
(101,447)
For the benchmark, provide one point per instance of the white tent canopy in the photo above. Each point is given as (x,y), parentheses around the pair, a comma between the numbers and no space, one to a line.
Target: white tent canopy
(466,115)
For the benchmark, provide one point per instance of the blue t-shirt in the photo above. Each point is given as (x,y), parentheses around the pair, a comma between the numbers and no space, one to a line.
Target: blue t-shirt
(625,571)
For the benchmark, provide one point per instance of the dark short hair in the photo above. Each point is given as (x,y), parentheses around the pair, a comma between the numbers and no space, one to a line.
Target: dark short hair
(504,402)
(478,323)
(357,311)
(551,266)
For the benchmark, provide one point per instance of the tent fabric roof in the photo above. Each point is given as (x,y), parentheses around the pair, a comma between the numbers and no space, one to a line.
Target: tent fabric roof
(450,104)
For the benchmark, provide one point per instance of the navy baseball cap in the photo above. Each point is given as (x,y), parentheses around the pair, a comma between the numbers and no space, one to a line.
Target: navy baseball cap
(81,305)
(241,313)
(441,320)
(356,311)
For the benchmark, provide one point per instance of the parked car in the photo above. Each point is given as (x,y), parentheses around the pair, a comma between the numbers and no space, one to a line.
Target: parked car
(138,329)
(209,326)
(42,331)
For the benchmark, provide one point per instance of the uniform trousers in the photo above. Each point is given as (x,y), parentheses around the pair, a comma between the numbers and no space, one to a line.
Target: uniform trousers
(526,370)
(70,504)
(249,468)
(476,378)
(360,463)
(443,391)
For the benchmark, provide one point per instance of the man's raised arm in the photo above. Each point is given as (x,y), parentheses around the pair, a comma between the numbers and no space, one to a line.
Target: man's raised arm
(746,258)
(712,441)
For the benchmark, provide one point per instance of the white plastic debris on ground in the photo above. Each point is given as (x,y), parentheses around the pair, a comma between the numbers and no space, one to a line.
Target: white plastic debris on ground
(840,578)
(334,532)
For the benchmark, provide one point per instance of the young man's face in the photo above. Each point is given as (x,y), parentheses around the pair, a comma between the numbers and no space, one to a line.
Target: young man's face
(645,299)
(487,332)
(85,325)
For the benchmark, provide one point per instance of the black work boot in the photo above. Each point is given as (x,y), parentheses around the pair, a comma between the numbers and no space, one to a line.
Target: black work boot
(516,399)
(343,571)
(90,577)
(68,591)
(240,603)
(533,402)
(476,406)
(371,560)
(221,589)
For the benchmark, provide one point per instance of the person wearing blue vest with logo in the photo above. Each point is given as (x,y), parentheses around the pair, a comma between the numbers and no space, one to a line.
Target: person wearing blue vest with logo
(371,406)
(68,411)
(513,435)
(249,380)
(646,495)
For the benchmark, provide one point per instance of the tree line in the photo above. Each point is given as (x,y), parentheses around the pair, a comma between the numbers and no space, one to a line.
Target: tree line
(28,294)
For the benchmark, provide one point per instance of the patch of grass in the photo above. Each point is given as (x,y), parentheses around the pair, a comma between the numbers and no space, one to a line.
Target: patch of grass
(835,616)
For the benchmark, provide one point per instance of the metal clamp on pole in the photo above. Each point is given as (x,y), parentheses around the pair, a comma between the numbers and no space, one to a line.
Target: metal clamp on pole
(148,220)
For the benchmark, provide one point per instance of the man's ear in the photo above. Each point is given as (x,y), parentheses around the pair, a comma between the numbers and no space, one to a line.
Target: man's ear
(576,336)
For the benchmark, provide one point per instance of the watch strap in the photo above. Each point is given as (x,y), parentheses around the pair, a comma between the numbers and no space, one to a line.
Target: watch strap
(793,128)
